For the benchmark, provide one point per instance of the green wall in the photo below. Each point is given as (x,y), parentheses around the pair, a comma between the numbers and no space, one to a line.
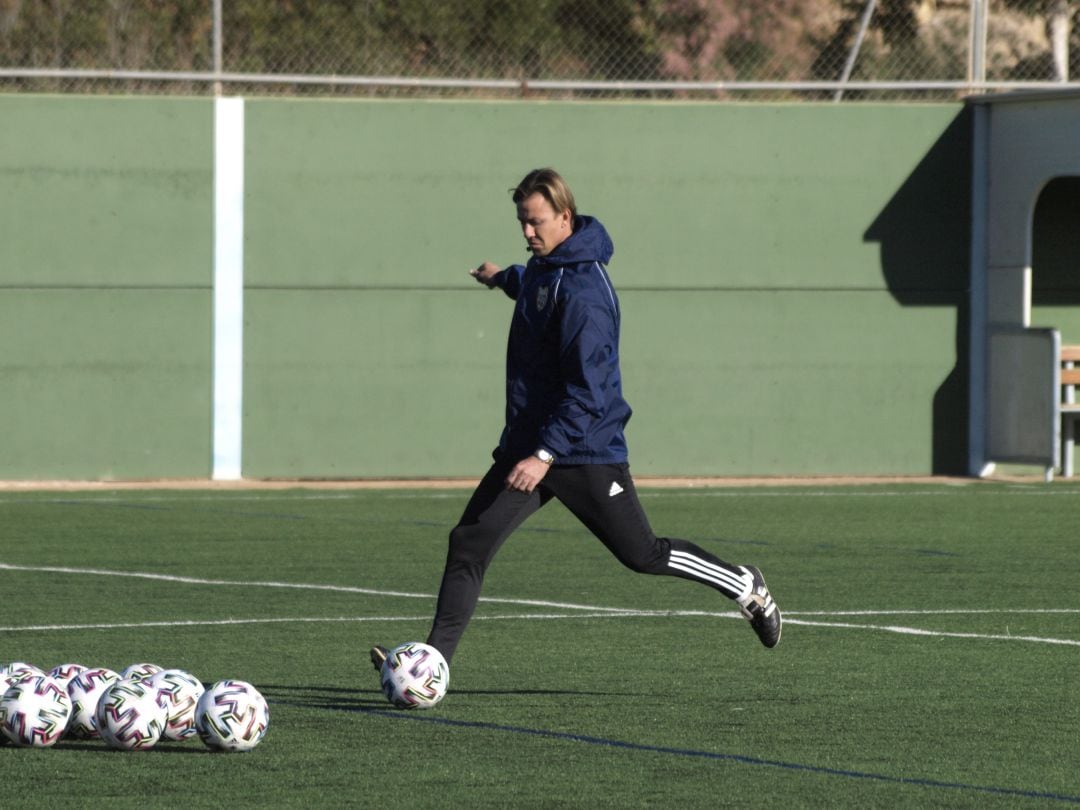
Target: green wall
(105,268)
(792,279)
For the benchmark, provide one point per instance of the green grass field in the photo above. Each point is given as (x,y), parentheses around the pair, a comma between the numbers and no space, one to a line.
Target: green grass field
(930,655)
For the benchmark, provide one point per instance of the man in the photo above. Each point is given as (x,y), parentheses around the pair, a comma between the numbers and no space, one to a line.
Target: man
(565,415)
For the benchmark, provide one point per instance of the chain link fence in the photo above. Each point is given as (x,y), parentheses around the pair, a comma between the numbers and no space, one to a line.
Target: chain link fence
(765,49)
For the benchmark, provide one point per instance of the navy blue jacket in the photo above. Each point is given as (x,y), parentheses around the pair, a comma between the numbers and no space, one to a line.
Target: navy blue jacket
(563,385)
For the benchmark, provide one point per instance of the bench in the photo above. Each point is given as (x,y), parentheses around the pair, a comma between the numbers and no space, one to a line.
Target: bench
(1070,408)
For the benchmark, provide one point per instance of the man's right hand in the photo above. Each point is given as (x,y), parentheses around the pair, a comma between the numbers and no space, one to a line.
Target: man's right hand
(485,273)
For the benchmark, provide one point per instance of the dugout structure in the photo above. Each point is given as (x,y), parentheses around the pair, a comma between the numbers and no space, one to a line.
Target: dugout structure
(1023,144)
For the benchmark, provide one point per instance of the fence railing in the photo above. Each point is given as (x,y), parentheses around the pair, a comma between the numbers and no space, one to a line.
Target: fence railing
(814,49)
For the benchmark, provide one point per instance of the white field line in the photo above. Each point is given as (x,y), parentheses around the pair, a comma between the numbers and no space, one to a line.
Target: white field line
(310,620)
(916,631)
(23,498)
(788,493)
(580,611)
(910,631)
(293,585)
(950,611)
(946,490)
(457,496)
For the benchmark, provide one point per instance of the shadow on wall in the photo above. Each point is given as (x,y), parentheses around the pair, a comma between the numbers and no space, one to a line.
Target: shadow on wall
(924,234)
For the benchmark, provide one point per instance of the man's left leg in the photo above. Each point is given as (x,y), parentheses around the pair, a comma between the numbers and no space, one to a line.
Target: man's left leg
(603,497)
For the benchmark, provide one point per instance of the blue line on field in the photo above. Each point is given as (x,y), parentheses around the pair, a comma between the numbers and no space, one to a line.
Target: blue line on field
(715,755)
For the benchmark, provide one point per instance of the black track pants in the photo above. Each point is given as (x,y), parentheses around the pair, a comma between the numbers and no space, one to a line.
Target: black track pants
(601,496)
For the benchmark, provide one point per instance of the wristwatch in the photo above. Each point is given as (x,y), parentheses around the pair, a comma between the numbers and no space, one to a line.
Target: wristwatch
(544,456)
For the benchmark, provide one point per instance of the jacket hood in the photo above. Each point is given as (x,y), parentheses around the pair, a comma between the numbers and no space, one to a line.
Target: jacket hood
(589,242)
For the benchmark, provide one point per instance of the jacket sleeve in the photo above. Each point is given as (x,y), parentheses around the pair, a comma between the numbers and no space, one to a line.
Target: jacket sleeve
(589,367)
(509,279)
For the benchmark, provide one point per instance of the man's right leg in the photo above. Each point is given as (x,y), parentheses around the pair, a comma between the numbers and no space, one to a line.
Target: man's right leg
(490,517)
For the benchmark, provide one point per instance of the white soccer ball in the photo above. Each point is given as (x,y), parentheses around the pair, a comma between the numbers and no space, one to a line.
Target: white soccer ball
(65,672)
(139,672)
(181,692)
(85,691)
(131,715)
(232,716)
(34,711)
(415,676)
(9,673)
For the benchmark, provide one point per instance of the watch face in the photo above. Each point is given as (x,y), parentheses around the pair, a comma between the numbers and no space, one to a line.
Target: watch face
(545,456)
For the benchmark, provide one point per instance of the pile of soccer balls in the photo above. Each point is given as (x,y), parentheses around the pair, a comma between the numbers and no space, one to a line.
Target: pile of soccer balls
(130,710)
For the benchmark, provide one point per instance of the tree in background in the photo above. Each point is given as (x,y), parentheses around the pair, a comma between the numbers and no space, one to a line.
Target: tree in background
(120,34)
(709,40)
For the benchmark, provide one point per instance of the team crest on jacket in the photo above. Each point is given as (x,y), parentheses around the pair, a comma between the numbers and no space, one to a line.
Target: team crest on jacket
(541,298)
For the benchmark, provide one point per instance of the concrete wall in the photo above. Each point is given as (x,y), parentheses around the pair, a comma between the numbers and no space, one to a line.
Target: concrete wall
(105,266)
(792,276)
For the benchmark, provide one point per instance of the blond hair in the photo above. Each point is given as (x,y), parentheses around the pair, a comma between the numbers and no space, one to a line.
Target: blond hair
(549,184)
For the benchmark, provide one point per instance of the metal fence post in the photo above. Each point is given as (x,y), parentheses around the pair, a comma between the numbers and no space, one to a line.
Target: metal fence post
(1059,39)
(977,50)
(853,54)
(217,47)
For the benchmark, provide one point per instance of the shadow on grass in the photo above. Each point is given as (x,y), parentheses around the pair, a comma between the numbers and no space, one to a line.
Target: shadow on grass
(192,746)
(337,698)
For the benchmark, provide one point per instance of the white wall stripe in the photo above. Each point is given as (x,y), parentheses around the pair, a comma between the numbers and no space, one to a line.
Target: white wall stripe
(228,337)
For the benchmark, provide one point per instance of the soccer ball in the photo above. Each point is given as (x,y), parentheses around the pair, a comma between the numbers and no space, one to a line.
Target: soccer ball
(232,716)
(415,676)
(85,691)
(9,674)
(131,715)
(65,672)
(16,670)
(139,672)
(34,711)
(181,693)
